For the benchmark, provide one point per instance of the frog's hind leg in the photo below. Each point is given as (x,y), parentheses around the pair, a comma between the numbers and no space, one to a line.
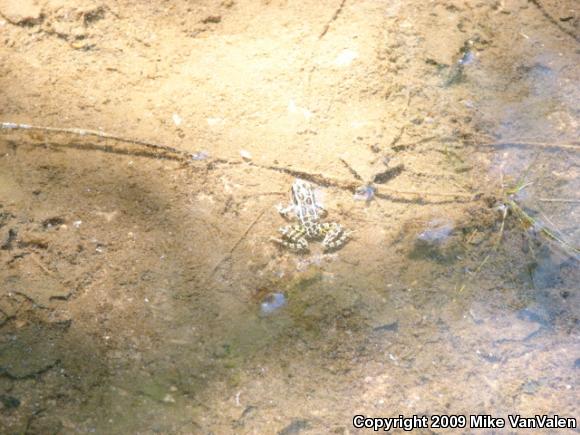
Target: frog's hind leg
(293,238)
(334,236)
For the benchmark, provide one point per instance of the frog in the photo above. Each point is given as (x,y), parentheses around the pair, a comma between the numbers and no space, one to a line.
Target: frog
(309,213)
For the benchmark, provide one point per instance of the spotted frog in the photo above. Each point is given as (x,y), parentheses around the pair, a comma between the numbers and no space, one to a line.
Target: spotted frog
(308,212)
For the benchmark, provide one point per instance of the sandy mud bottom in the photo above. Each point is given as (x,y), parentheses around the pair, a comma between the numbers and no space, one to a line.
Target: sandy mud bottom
(139,289)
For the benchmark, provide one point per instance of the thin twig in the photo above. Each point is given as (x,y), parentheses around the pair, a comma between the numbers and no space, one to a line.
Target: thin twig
(253,195)
(566,200)
(396,146)
(526,219)
(552,20)
(319,179)
(351,170)
(92,133)
(322,180)
(529,145)
(438,194)
(334,17)
(240,239)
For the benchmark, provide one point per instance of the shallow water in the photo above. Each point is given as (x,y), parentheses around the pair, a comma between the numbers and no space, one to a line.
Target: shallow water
(140,291)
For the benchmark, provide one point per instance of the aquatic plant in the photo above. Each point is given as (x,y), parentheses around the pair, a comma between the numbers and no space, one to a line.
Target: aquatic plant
(507,205)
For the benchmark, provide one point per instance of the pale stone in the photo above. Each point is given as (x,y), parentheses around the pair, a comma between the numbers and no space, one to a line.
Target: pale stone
(21,11)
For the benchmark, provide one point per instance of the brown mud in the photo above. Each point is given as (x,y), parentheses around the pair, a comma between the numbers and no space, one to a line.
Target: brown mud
(134,268)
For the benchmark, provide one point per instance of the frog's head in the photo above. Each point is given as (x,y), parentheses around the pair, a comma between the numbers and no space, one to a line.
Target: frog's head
(300,189)
(301,184)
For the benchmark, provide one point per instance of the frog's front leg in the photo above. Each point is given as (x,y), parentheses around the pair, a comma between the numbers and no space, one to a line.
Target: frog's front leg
(322,212)
(334,236)
(293,238)
(285,211)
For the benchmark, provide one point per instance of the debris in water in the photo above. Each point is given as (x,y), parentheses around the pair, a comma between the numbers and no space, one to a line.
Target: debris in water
(272,303)
(365,193)
(437,232)
(10,125)
(200,155)
(388,174)
(304,263)
(530,387)
(177,119)
(293,108)
(467,58)
(214,121)
(212,19)
(295,427)
(345,57)
(389,327)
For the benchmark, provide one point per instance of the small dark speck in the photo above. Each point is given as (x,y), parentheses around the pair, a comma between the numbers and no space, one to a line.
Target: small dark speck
(212,19)
(52,222)
(490,357)
(577,364)
(394,327)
